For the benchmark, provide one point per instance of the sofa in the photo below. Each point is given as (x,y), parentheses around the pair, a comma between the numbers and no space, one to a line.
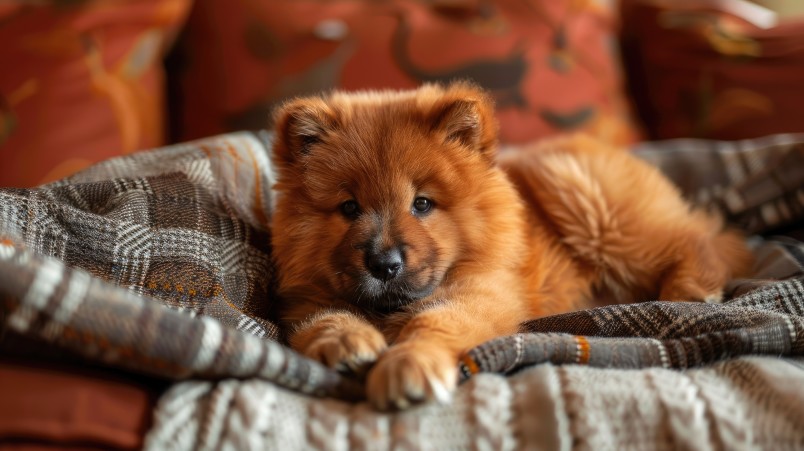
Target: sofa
(137,292)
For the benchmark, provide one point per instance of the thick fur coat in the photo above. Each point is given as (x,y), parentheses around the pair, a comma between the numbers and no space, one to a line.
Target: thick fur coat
(402,239)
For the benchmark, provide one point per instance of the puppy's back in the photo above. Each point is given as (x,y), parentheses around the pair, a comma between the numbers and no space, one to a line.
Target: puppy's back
(626,225)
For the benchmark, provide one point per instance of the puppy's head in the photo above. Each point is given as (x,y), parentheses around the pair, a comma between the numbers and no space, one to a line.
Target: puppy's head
(381,194)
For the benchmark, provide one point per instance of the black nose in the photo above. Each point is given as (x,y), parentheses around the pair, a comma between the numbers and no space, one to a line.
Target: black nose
(385,265)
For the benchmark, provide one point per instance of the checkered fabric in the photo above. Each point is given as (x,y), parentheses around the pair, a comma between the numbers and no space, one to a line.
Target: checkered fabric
(184,225)
(159,262)
(768,320)
(757,184)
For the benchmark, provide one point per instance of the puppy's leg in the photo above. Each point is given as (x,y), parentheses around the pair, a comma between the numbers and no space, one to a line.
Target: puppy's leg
(422,362)
(339,339)
(704,265)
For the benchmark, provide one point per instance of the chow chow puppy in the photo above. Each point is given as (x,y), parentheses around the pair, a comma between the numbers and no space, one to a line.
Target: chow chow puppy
(402,240)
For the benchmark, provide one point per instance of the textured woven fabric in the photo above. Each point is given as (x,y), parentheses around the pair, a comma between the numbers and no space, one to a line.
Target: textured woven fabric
(68,308)
(159,263)
(756,183)
(83,260)
(749,403)
(768,320)
(184,225)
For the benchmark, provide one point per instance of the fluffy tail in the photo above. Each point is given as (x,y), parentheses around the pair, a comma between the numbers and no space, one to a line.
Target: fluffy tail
(627,221)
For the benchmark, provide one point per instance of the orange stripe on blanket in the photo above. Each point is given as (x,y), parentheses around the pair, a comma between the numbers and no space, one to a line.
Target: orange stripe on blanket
(470,364)
(583,349)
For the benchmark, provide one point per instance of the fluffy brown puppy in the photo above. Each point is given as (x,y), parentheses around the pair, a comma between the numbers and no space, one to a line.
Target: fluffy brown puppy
(395,224)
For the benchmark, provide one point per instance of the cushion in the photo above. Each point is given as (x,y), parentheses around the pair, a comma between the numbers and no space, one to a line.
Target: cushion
(709,73)
(84,76)
(550,65)
(61,406)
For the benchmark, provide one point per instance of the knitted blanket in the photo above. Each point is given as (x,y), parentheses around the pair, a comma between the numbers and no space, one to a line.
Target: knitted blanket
(159,263)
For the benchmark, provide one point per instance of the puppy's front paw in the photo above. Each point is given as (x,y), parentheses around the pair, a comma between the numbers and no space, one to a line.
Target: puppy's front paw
(409,373)
(350,348)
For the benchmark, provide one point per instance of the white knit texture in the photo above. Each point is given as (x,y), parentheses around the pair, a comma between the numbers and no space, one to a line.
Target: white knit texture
(747,403)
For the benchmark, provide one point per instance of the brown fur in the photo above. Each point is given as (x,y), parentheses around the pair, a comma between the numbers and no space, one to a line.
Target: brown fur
(544,230)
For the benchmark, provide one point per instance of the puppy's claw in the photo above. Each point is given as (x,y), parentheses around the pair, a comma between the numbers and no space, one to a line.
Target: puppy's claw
(441,394)
(416,392)
(402,404)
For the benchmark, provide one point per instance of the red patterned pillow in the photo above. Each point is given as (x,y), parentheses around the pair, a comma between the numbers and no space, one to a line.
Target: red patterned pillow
(80,82)
(549,64)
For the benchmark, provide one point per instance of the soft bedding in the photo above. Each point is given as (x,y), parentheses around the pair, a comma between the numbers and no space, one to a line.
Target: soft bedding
(159,263)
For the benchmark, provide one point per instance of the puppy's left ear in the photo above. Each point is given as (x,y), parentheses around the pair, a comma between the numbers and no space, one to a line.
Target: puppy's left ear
(300,124)
(466,116)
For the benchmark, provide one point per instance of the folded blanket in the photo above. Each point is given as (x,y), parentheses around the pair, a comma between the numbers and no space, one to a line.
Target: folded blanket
(159,262)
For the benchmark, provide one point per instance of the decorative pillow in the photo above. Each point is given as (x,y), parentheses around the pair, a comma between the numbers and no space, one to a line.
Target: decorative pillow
(549,64)
(81,81)
(706,72)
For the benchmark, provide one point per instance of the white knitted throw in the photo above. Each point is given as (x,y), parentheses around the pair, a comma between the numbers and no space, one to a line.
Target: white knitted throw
(746,403)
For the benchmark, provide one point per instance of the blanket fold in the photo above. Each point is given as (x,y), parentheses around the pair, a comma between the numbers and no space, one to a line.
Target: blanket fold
(71,310)
(766,321)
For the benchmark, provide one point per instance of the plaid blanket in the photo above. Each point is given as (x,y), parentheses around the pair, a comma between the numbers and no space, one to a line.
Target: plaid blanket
(159,263)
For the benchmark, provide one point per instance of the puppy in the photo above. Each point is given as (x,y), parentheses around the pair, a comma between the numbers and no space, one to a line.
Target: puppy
(401,240)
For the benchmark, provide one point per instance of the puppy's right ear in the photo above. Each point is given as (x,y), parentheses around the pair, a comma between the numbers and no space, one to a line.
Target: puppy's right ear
(464,113)
(300,124)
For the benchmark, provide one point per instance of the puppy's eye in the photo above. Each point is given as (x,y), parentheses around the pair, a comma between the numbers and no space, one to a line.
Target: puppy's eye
(350,209)
(422,205)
